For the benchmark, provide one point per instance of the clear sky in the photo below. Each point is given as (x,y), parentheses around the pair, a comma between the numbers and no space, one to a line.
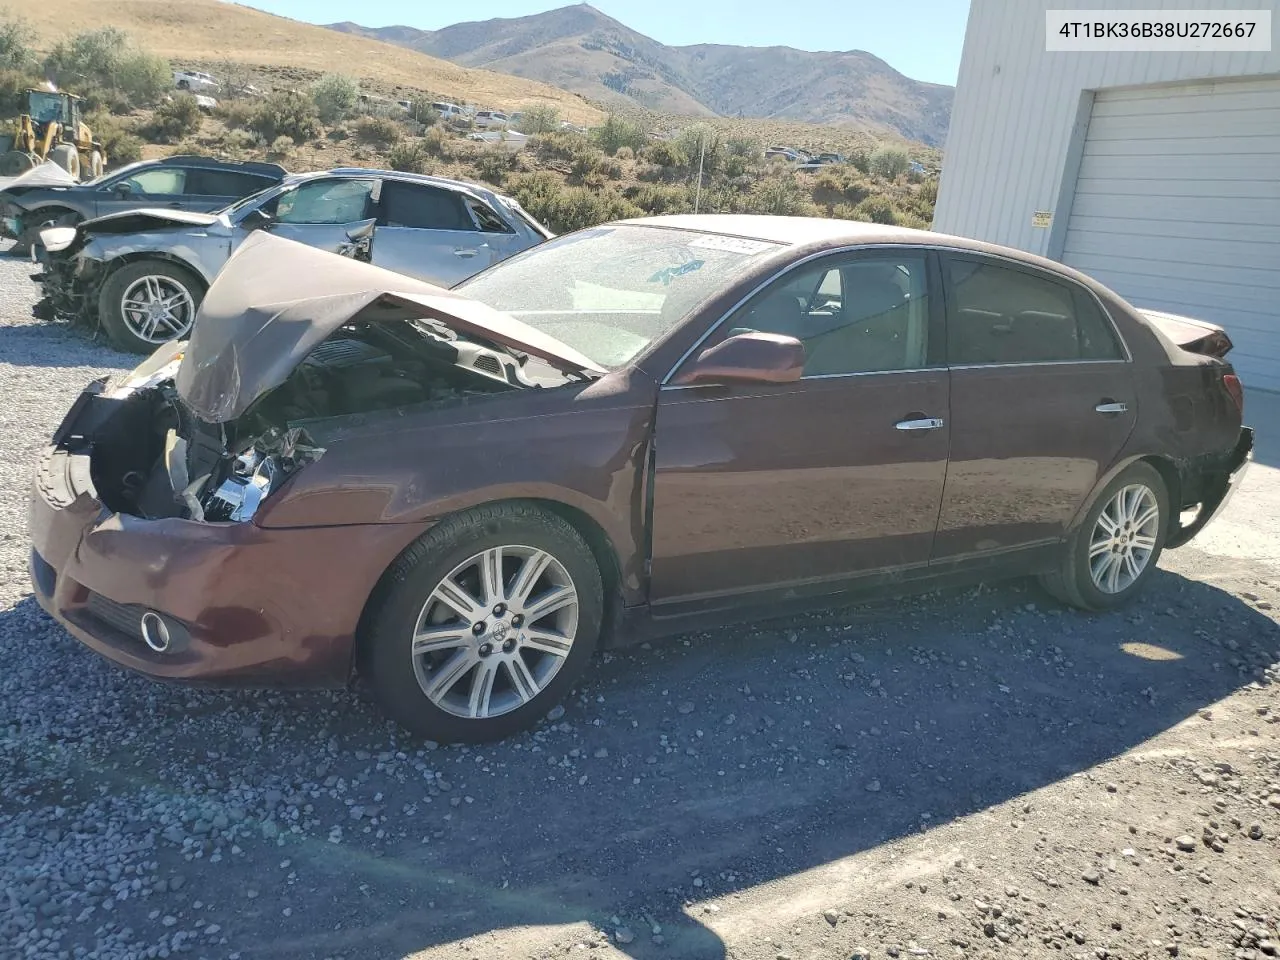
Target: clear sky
(921,38)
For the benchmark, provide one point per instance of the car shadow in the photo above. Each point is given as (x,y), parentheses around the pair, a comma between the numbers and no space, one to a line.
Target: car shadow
(59,344)
(687,771)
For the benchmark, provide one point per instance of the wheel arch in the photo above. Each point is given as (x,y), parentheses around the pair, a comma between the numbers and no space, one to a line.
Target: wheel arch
(598,540)
(1164,466)
(138,256)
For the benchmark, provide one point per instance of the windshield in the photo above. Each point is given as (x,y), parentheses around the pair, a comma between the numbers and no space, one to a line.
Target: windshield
(45,107)
(610,292)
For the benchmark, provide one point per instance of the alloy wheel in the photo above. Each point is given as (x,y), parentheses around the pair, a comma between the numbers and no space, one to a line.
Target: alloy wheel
(157,309)
(495,631)
(1124,538)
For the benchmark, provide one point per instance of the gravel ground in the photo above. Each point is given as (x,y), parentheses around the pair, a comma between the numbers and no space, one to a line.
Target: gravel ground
(973,773)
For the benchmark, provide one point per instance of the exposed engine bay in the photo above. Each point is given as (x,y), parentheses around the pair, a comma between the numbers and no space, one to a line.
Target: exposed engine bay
(151,457)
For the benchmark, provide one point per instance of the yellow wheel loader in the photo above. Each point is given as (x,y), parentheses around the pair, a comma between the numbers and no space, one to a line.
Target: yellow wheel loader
(51,129)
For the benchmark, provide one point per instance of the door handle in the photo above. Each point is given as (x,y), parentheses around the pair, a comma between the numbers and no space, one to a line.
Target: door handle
(1110,407)
(464,252)
(924,423)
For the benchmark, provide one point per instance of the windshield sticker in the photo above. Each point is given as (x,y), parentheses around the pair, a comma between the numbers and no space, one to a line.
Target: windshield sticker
(667,274)
(731,244)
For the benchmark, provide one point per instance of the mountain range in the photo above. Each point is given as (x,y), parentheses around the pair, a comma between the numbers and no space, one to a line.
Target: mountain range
(580,49)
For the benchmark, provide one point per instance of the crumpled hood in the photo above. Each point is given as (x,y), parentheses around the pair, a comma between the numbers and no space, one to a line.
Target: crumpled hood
(148,218)
(47,174)
(276,300)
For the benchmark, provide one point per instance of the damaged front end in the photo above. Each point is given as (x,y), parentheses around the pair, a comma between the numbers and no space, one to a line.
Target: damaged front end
(68,279)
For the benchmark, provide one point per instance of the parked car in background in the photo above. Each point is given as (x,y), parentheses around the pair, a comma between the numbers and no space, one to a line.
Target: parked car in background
(184,182)
(194,81)
(609,436)
(141,275)
(784,153)
(449,111)
(492,120)
(916,167)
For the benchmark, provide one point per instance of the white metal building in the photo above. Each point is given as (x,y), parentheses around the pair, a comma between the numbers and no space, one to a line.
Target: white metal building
(1156,173)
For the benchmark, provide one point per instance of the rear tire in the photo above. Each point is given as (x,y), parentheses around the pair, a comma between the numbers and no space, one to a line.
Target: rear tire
(1110,557)
(144,282)
(96,164)
(497,669)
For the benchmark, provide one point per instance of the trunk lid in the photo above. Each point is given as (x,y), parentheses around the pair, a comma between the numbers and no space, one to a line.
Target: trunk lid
(276,300)
(1194,336)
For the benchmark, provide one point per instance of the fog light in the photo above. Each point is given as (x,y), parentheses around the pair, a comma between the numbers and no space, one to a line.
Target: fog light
(155,632)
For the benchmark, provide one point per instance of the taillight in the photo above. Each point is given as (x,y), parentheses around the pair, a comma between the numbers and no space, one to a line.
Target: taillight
(1232,383)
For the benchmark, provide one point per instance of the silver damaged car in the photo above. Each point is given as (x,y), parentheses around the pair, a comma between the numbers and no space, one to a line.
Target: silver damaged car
(140,276)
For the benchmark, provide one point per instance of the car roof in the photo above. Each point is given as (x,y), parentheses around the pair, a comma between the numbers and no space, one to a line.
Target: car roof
(422,178)
(819,232)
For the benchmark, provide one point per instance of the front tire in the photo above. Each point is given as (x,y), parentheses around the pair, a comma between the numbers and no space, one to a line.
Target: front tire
(484,624)
(147,303)
(1113,553)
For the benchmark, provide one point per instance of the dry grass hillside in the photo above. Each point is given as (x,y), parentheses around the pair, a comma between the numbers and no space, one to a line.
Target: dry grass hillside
(212,30)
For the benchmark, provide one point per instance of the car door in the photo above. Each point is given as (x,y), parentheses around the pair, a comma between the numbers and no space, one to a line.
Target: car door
(428,232)
(157,187)
(208,189)
(837,475)
(1042,400)
(320,212)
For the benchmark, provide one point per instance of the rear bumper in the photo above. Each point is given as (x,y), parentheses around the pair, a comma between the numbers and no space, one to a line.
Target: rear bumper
(1219,484)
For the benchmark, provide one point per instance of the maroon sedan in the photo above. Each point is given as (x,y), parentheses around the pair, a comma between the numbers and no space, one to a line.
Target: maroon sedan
(461,494)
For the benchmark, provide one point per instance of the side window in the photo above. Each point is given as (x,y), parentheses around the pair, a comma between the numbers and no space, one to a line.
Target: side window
(1004,315)
(224,183)
(423,208)
(324,201)
(160,182)
(489,221)
(853,315)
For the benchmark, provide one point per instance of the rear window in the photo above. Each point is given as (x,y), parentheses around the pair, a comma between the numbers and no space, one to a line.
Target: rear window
(1007,315)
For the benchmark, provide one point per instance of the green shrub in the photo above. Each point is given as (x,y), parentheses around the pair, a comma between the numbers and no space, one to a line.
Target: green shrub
(929,192)
(586,163)
(655,198)
(625,153)
(492,165)
(285,114)
(617,132)
(540,118)
(780,196)
(107,59)
(437,143)
(379,131)
(408,156)
(281,147)
(176,118)
(564,209)
(561,145)
(237,114)
(423,112)
(17,38)
(143,78)
(877,209)
(704,145)
(666,154)
(117,140)
(860,161)
(14,85)
(889,162)
(335,96)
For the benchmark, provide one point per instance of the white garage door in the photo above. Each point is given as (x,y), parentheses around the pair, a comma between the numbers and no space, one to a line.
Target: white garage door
(1177,207)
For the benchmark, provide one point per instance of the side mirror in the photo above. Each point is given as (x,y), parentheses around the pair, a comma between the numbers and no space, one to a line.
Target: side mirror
(255,219)
(750,357)
(124,189)
(361,231)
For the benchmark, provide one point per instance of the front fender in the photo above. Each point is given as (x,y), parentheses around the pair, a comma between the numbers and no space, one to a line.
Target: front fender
(589,457)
